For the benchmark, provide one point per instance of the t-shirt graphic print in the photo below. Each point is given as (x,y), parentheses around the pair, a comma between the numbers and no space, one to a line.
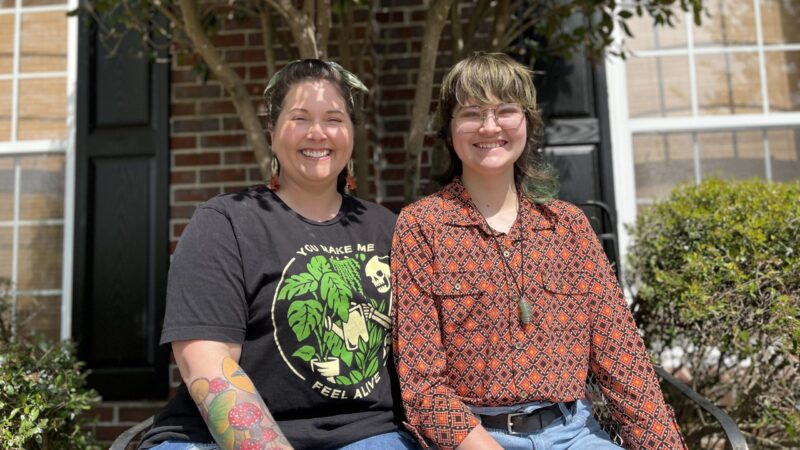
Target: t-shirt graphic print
(337,304)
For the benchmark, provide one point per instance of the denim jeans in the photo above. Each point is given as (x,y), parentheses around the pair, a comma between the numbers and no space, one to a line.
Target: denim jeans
(396,440)
(575,430)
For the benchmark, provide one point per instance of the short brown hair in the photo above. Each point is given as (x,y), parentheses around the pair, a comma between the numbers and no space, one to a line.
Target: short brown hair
(486,78)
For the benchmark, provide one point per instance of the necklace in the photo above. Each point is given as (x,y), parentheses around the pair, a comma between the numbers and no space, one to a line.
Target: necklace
(523,307)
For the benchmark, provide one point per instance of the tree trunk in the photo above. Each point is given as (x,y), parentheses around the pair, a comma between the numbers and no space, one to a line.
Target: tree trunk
(434,23)
(232,83)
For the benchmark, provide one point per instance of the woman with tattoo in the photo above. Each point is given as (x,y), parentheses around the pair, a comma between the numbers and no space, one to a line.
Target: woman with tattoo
(279,299)
(505,299)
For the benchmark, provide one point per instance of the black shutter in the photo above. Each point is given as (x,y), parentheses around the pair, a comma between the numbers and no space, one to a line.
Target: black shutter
(121,213)
(574,99)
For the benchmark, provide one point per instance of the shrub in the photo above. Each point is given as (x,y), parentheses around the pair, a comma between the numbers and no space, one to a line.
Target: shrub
(42,393)
(717,277)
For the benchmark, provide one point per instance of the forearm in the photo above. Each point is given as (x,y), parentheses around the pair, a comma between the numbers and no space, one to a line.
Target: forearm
(234,412)
(479,439)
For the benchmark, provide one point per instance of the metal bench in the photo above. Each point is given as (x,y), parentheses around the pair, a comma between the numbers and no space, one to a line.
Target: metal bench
(734,438)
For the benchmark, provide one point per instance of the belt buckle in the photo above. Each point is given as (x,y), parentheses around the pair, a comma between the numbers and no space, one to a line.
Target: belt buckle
(510,424)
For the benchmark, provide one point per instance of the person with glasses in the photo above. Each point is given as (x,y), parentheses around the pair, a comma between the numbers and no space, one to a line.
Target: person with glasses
(279,303)
(505,301)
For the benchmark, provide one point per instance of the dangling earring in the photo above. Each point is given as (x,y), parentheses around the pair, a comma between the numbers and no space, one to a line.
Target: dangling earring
(275,170)
(350,180)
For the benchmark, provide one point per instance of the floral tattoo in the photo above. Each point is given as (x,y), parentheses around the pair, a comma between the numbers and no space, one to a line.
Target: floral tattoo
(235,413)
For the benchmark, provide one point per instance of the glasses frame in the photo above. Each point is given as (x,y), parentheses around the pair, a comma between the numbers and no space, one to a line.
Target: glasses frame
(484,111)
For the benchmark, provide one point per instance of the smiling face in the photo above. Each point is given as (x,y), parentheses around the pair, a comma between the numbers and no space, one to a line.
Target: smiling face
(313,136)
(491,150)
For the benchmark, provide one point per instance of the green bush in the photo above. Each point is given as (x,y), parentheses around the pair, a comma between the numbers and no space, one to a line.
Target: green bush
(42,393)
(717,276)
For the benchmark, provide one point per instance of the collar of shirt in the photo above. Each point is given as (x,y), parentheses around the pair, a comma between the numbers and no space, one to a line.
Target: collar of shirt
(460,210)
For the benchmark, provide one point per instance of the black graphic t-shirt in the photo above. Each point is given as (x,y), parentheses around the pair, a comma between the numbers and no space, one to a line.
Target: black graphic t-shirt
(309,302)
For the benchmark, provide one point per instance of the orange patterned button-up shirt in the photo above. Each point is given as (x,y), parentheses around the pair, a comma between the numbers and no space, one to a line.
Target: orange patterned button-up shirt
(458,339)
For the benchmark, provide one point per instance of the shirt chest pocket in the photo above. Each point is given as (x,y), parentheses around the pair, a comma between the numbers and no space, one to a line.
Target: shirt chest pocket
(460,296)
(565,302)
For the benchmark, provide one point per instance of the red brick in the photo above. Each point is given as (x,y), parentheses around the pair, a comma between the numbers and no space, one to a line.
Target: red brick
(398,94)
(223,140)
(255,175)
(197,91)
(217,175)
(188,59)
(195,194)
(194,125)
(393,205)
(172,246)
(109,432)
(389,16)
(137,413)
(393,141)
(216,107)
(397,125)
(182,76)
(177,231)
(197,159)
(246,55)
(182,176)
(257,73)
(240,157)
(396,109)
(180,142)
(100,413)
(228,40)
(414,31)
(181,109)
(178,212)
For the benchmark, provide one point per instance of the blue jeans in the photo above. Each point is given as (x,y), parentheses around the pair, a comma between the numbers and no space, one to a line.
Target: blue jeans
(575,430)
(396,440)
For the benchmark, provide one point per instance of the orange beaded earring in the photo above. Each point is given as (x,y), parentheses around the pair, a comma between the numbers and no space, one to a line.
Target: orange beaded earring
(275,170)
(350,180)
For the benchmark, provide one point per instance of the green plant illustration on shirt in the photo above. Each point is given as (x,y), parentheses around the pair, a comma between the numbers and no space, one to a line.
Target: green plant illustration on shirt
(333,330)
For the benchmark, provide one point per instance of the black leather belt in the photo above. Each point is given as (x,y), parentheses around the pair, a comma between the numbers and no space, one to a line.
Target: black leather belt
(519,423)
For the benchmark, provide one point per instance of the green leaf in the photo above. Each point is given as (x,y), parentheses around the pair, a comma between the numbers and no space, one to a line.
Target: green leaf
(305,353)
(372,368)
(356,376)
(341,379)
(297,285)
(337,295)
(304,316)
(218,412)
(318,266)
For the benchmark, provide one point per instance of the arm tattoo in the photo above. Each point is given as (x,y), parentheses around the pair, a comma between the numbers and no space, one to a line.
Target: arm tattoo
(235,413)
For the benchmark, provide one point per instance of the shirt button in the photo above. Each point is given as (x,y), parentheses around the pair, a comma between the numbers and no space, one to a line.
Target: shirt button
(457,287)
(519,345)
(506,253)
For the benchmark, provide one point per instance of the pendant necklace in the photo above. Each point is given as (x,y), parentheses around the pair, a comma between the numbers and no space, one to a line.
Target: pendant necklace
(523,307)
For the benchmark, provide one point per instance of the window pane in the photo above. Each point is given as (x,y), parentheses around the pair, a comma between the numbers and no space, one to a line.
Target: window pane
(783,80)
(784,150)
(6,43)
(43,42)
(6,249)
(5,111)
(658,86)
(728,84)
(43,2)
(780,19)
(661,162)
(7,188)
(40,257)
(42,187)
(731,23)
(40,315)
(42,109)
(738,155)
(648,37)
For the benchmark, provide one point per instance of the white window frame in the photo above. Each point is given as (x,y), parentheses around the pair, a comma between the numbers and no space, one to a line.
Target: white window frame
(14,147)
(623,128)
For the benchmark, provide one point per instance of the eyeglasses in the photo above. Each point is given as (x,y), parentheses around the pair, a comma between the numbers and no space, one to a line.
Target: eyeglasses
(470,119)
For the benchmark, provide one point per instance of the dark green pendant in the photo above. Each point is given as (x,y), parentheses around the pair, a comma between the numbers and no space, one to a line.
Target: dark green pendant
(524,311)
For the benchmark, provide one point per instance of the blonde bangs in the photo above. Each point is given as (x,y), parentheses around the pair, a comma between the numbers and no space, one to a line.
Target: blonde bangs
(489,80)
